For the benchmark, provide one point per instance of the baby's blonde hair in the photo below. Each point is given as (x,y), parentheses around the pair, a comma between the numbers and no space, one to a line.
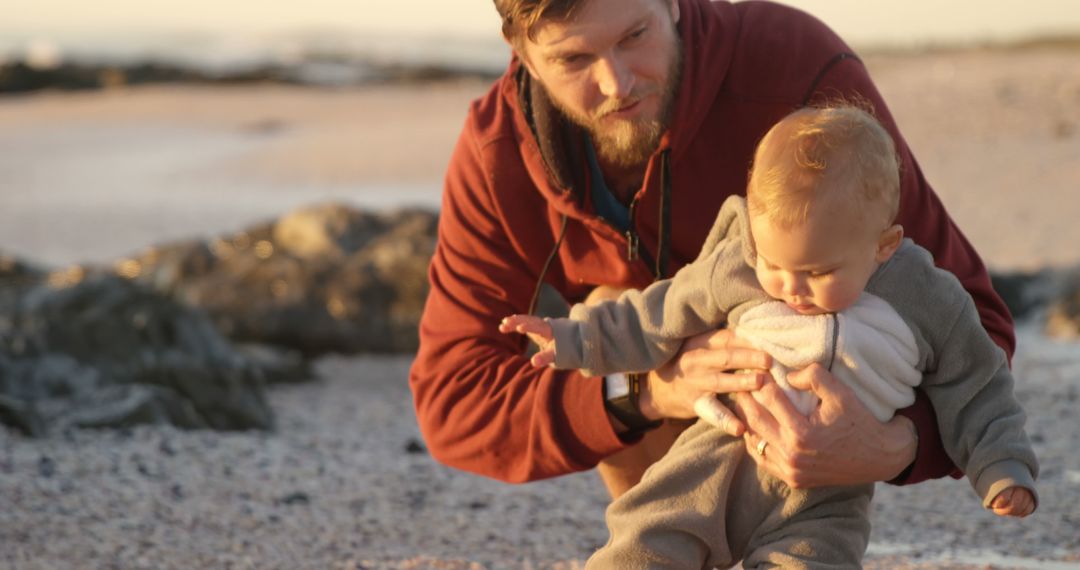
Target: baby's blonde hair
(839,157)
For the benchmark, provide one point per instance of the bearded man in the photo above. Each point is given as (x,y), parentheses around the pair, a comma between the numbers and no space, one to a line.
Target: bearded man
(597,163)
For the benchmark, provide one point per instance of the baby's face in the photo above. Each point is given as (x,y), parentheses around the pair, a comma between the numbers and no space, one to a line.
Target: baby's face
(820,266)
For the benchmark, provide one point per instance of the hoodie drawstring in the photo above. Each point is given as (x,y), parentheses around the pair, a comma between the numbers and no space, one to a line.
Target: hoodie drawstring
(547,264)
(664,224)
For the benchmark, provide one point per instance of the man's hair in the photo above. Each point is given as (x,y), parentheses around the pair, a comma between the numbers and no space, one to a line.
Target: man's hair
(838,153)
(521,16)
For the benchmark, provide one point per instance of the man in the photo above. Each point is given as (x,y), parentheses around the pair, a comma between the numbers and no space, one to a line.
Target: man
(598,163)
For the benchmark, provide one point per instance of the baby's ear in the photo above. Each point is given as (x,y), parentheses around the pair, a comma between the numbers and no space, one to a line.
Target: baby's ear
(889,242)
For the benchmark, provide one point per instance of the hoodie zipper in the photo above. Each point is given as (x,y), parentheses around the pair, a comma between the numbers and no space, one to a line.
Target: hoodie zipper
(631,235)
(633,252)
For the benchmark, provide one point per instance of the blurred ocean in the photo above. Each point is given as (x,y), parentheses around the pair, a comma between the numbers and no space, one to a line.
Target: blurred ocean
(328,57)
(460,35)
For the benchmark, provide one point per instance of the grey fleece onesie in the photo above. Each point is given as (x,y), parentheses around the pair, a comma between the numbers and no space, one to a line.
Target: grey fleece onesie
(678,516)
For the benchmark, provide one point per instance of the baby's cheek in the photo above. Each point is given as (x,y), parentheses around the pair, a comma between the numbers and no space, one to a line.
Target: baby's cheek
(769,284)
(839,298)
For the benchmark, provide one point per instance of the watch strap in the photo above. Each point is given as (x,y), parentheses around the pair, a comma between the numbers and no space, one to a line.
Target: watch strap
(626,409)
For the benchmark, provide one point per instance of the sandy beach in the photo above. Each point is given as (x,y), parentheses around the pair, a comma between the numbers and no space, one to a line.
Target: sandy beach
(344,482)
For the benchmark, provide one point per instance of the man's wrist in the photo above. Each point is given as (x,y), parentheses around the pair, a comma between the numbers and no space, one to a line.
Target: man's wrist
(646,404)
(622,393)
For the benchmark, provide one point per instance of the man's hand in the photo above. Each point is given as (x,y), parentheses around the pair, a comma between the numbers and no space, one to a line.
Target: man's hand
(839,443)
(687,384)
(538,331)
(1013,502)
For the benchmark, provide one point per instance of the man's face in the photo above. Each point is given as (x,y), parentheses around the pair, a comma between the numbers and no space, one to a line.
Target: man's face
(612,68)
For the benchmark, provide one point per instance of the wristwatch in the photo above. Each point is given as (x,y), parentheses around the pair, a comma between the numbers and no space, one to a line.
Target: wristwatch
(621,393)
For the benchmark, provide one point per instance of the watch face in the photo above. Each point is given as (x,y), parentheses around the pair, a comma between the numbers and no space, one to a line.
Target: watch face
(616,386)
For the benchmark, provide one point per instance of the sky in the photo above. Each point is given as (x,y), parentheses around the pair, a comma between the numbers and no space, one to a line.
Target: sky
(861,22)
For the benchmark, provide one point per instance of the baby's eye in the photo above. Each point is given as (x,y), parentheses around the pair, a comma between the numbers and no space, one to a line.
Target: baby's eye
(636,34)
(819,274)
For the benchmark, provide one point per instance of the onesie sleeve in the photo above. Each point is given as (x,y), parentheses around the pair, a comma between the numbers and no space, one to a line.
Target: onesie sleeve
(980,420)
(642,330)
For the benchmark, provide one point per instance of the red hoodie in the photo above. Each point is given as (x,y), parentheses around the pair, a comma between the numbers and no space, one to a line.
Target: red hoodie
(517,171)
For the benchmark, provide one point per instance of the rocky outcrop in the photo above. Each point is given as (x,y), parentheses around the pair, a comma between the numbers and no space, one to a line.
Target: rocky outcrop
(144,340)
(21,77)
(1063,313)
(321,279)
(95,350)
(1050,297)
(1023,292)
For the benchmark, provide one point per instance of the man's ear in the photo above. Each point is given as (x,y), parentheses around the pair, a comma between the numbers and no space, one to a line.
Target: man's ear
(528,66)
(889,242)
(518,47)
(674,8)
(519,50)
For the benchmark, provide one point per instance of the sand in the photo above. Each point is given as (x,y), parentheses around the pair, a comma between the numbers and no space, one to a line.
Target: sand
(343,482)
(94,176)
(89,176)
(998,136)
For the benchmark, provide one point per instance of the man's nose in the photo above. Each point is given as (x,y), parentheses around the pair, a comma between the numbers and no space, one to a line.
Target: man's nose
(614,77)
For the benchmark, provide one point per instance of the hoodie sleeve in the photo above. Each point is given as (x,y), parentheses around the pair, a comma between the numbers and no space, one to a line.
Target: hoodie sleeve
(926,221)
(481,406)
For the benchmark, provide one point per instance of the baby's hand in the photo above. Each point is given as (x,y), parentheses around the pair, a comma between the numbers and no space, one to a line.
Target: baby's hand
(538,330)
(1013,502)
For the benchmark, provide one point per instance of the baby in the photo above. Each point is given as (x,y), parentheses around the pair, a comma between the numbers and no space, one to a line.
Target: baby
(810,267)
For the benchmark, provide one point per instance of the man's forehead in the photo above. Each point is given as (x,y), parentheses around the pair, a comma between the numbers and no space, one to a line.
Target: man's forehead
(593,22)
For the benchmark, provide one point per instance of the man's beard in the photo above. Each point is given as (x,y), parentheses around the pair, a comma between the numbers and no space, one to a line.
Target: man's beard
(630,143)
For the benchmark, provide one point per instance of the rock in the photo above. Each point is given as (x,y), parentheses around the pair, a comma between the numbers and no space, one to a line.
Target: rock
(1063,314)
(1022,291)
(296,498)
(21,415)
(414,447)
(13,268)
(21,77)
(166,267)
(1052,295)
(277,365)
(133,404)
(46,466)
(16,276)
(108,352)
(321,279)
(330,230)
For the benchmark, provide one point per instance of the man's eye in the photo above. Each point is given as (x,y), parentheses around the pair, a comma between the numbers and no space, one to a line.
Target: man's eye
(633,37)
